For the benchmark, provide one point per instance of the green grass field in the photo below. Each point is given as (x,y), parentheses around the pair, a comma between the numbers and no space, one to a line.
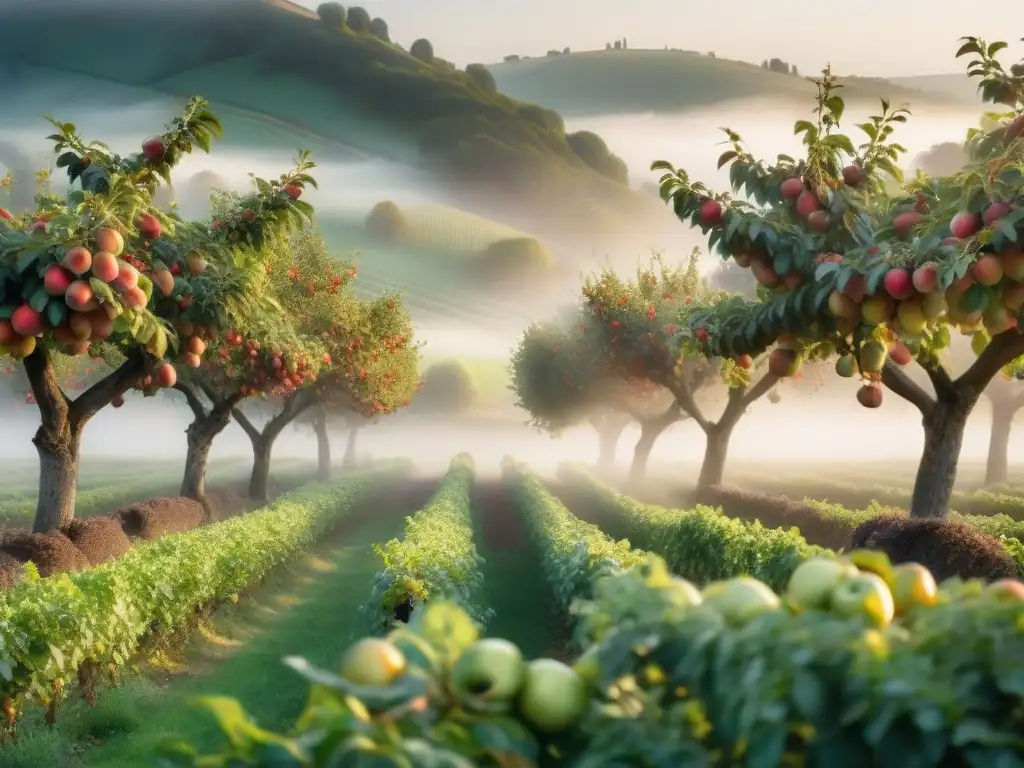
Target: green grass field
(606,82)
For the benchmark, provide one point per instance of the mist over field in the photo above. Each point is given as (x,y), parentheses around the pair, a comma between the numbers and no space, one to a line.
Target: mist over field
(352,182)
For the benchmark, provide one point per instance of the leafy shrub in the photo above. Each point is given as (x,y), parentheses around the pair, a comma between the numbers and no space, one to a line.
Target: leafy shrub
(386,222)
(99,538)
(483,78)
(422,50)
(673,677)
(51,553)
(379,29)
(331,14)
(447,388)
(435,559)
(572,552)
(702,544)
(513,258)
(358,20)
(591,149)
(154,518)
(49,627)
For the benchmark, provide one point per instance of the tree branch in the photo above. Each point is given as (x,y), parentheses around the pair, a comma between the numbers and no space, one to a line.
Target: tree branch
(244,422)
(899,383)
(684,399)
(192,398)
(52,403)
(138,362)
(1003,348)
(665,419)
(941,381)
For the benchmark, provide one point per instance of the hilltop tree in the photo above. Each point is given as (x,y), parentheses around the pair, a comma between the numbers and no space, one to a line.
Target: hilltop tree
(422,50)
(369,363)
(483,78)
(358,20)
(332,14)
(94,271)
(379,29)
(881,278)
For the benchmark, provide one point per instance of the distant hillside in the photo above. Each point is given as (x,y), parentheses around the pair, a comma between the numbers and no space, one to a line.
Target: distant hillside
(600,82)
(353,88)
(957,86)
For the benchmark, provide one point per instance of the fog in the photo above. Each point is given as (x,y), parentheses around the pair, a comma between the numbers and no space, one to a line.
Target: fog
(352,182)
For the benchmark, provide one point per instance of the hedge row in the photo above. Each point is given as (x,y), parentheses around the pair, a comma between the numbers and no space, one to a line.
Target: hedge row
(1008,508)
(703,544)
(50,627)
(572,552)
(436,557)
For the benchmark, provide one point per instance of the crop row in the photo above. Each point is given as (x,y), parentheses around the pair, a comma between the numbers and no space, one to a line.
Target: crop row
(52,628)
(703,544)
(572,552)
(1003,511)
(436,557)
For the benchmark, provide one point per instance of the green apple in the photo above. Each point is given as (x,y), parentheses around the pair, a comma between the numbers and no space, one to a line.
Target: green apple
(866,595)
(681,592)
(490,669)
(913,584)
(812,582)
(554,696)
(741,598)
(372,661)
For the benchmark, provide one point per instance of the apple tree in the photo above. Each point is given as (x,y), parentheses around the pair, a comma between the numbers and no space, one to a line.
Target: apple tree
(639,323)
(369,360)
(880,277)
(97,266)
(561,379)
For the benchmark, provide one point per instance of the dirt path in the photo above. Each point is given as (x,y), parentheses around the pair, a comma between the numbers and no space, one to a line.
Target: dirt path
(514,584)
(307,608)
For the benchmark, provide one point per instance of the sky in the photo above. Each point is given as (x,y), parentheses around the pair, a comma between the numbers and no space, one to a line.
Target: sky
(868,37)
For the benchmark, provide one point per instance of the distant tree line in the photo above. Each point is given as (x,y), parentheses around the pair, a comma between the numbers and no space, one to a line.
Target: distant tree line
(356,20)
(780,66)
(618,45)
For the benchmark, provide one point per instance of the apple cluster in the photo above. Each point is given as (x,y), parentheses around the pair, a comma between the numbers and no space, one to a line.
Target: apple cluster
(257,370)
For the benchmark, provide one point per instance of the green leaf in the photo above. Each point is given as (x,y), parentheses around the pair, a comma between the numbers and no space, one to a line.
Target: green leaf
(56,312)
(1008,229)
(835,105)
(826,268)
(802,126)
(726,157)
(6,310)
(103,291)
(969,47)
(27,259)
(39,300)
(874,277)
(147,287)
(975,298)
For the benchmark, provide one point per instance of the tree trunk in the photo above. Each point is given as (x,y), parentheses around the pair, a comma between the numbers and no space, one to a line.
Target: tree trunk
(58,477)
(997,467)
(349,460)
(193,482)
(259,481)
(323,449)
(608,441)
(712,469)
(944,426)
(650,430)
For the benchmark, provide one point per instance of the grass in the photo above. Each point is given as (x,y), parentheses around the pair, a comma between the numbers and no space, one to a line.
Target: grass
(304,609)
(514,585)
(353,89)
(603,82)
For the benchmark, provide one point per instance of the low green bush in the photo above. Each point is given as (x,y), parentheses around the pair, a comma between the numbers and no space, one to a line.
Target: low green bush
(572,552)
(702,544)
(50,628)
(852,666)
(435,559)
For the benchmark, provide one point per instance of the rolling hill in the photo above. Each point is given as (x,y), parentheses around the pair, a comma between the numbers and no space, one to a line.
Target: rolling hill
(603,82)
(957,86)
(355,89)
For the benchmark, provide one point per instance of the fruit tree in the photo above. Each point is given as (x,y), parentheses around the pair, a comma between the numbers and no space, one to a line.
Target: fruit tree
(369,360)
(639,321)
(98,266)
(560,378)
(879,277)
